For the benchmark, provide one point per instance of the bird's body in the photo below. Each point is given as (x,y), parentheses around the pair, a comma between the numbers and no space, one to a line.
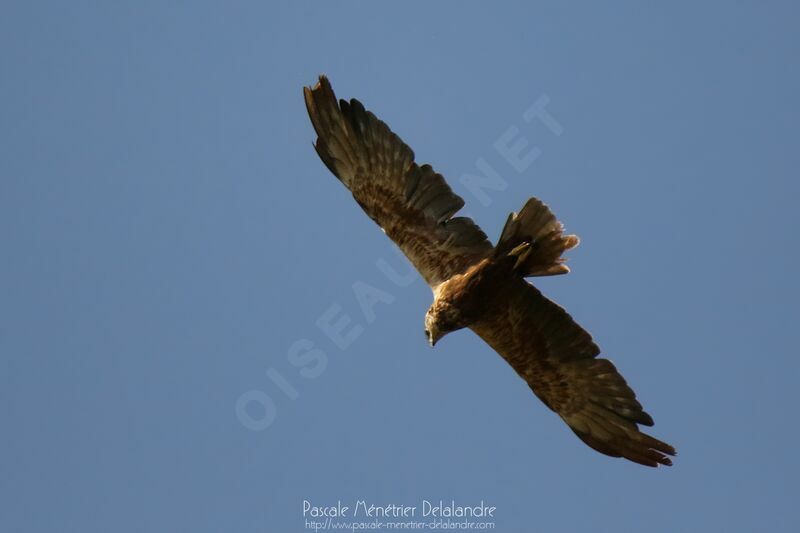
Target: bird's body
(481,286)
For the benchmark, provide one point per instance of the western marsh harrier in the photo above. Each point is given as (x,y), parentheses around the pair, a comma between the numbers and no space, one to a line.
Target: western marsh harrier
(480,286)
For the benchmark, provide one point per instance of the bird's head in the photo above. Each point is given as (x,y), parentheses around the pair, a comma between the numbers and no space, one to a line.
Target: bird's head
(440,320)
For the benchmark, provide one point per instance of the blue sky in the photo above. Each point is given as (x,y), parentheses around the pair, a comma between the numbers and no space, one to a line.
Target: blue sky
(169,237)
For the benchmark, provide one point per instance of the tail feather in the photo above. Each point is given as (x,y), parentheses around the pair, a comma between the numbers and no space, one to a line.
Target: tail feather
(535,237)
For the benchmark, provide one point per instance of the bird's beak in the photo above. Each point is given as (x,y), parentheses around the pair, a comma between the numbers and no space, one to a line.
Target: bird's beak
(433,338)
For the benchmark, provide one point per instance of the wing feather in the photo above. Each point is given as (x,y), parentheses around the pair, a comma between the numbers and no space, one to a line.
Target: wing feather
(558,360)
(413,204)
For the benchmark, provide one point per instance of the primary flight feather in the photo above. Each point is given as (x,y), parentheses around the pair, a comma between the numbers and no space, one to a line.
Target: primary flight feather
(480,286)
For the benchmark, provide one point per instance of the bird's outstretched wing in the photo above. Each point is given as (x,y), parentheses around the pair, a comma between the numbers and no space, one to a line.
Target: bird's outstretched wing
(412,203)
(558,360)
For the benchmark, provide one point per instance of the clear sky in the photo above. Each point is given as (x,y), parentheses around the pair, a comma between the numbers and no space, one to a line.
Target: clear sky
(171,243)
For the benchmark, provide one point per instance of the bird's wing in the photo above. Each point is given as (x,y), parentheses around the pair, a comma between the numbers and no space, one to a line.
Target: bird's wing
(412,203)
(558,360)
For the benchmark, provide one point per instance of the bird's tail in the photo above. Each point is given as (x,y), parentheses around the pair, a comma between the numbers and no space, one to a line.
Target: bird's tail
(535,238)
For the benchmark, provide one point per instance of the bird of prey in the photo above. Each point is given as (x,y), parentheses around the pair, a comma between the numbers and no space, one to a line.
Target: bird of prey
(480,286)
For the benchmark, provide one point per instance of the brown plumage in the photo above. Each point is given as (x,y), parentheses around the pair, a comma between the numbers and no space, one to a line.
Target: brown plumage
(483,287)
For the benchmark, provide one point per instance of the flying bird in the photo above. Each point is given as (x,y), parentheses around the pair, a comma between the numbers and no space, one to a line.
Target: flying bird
(481,286)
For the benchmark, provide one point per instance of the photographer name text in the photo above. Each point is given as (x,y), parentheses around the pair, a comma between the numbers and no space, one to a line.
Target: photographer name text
(426,508)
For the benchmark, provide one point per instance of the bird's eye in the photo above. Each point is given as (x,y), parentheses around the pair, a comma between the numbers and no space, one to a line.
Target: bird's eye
(427,334)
